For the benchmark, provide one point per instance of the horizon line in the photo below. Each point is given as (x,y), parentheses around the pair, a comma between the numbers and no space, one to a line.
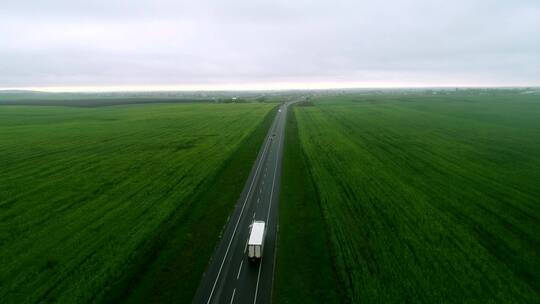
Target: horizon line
(250,87)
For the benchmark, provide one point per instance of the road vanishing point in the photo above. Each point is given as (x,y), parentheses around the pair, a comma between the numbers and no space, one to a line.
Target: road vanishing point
(230,276)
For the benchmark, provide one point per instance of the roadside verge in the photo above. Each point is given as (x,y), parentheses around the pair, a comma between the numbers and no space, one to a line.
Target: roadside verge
(304,270)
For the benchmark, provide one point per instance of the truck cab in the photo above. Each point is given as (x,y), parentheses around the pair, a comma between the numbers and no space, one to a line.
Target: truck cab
(256,240)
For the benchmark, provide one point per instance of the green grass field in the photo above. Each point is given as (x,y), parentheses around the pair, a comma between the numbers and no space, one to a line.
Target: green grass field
(164,276)
(305,272)
(426,198)
(84,191)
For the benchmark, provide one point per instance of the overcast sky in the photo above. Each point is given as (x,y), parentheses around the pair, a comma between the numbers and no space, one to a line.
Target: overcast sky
(62,43)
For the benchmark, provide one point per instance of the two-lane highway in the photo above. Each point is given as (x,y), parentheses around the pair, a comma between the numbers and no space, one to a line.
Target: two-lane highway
(231,277)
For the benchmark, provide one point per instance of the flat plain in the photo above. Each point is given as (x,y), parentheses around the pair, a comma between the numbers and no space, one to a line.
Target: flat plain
(83,191)
(425,198)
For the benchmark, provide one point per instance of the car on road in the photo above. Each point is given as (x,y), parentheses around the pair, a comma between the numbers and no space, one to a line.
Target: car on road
(256,240)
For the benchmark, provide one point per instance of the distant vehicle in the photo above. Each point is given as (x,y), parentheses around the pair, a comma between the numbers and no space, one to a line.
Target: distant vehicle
(279,110)
(256,240)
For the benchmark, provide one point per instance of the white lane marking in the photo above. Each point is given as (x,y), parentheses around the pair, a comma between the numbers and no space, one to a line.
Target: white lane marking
(240,269)
(253,214)
(232,298)
(258,200)
(245,247)
(258,277)
(238,221)
(274,267)
(267,216)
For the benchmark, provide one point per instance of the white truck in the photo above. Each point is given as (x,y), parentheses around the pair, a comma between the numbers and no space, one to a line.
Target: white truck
(256,240)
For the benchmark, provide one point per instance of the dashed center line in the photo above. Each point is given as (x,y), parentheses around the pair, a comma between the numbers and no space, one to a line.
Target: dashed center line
(239,269)
(232,298)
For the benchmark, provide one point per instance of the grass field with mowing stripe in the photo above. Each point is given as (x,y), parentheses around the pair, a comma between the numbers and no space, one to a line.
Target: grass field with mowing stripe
(82,191)
(429,199)
(305,272)
(182,249)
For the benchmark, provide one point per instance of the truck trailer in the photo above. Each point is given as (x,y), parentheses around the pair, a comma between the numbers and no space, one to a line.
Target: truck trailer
(256,240)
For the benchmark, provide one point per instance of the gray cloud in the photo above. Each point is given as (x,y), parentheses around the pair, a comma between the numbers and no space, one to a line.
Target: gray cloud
(140,42)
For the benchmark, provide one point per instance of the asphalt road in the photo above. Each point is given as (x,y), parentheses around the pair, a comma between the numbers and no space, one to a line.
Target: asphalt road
(231,277)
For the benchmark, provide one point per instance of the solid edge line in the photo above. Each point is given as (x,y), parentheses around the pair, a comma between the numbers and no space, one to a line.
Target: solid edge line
(277,219)
(240,269)
(267,216)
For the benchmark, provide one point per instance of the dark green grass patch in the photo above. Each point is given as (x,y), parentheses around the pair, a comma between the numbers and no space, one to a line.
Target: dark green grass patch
(429,199)
(84,191)
(170,271)
(304,271)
